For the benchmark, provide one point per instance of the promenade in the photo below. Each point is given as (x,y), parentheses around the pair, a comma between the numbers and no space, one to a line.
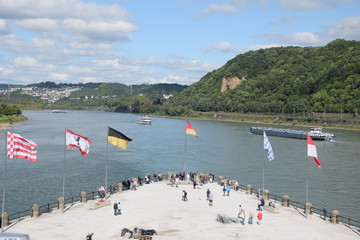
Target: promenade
(160,207)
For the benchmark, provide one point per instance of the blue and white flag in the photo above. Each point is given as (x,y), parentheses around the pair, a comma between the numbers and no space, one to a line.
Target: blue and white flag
(267,146)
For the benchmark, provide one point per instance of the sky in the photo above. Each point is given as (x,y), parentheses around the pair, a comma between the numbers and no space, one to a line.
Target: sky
(156,41)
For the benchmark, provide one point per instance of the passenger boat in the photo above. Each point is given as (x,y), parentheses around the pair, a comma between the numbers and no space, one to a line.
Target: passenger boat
(315,133)
(144,120)
(58,111)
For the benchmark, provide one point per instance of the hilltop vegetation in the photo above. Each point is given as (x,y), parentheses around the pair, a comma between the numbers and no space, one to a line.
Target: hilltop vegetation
(279,80)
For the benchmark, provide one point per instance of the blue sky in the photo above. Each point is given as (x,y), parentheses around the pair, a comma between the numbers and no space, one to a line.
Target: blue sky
(156,41)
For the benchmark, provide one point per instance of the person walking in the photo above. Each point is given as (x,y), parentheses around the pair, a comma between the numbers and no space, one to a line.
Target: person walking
(228,189)
(115,209)
(119,208)
(224,190)
(211,199)
(207,194)
(259,217)
(241,212)
(325,212)
(184,196)
(251,216)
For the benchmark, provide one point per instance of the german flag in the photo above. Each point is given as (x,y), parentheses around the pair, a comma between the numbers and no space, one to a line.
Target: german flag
(190,129)
(117,138)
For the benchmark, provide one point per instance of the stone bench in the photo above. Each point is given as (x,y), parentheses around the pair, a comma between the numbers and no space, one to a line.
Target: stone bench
(100,204)
(271,209)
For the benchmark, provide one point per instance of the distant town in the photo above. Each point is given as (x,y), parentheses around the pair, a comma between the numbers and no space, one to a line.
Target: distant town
(54,94)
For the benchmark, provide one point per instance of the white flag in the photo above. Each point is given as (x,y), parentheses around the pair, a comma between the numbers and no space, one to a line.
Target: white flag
(76,140)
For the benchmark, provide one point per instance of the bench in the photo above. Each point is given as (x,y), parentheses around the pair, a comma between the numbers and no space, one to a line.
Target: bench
(271,209)
(100,204)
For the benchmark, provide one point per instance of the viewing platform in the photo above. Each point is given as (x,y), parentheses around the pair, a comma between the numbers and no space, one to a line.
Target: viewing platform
(159,206)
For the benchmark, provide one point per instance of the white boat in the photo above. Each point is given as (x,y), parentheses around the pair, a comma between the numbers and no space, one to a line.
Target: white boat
(58,111)
(144,120)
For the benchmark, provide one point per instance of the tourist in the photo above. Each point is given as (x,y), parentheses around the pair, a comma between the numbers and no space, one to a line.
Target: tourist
(194,184)
(241,212)
(177,181)
(325,212)
(119,208)
(259,217)
(251,216)
(228,189)
(184,196)
(261,204)
(211,199)
(224,190)
(207,194)
(115,209)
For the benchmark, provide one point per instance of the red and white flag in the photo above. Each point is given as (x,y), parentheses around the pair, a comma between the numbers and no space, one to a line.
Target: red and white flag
(76,140)
(19,147)
(311,151)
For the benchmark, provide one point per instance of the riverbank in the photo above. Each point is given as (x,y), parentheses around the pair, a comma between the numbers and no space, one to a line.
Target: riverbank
(159,206)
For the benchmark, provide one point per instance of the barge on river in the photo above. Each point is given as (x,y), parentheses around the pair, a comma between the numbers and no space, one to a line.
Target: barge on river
(315,133)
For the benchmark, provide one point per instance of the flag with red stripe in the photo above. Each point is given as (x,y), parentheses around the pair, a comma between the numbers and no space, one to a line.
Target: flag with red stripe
(76,140)
(311,151)
(19,147)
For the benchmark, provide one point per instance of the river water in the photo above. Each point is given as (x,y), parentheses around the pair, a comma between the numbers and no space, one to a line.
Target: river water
(222,148)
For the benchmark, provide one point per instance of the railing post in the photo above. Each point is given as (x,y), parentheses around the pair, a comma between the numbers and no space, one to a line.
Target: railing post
(286,201)
(335,215)
(248,189)
(5,219)
(35,210)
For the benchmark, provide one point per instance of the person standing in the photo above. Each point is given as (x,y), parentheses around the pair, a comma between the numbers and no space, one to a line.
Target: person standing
(259,217)
(325,212)
(211,199)
(184,196)
(207,194)
(115,209)
(119,208)
(228,189)
(241,212)
(251,216)
(224,190)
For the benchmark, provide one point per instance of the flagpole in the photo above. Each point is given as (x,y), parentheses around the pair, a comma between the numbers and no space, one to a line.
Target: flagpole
(263,168)
(64,169)
(185,151)
(306,190)
(4,187)
(106,161)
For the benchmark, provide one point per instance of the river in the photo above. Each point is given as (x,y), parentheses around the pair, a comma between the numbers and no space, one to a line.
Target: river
(223,148)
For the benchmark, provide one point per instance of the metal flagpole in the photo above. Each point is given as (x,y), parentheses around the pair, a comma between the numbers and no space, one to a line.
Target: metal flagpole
(185,151)
(307,184)
(106,161)
(4,187)
(64,170)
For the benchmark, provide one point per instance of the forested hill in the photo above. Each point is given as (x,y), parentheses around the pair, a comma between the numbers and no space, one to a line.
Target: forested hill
(280,80)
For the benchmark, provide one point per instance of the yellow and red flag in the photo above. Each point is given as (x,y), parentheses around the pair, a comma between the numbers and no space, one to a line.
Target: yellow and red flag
(190,129)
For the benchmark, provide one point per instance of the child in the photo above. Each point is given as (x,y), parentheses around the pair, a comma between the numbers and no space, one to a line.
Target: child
(259,216)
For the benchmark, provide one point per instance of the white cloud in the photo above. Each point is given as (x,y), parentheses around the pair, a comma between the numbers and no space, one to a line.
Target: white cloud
(4,28)
(305,38)
(222,9)
(348,28)
(58,76)
(43,43)
(55,9)
(301,5)
(38,24)
(222,47)
(25,62)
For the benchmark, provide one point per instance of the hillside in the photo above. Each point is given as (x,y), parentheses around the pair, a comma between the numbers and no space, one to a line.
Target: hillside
(279,80)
